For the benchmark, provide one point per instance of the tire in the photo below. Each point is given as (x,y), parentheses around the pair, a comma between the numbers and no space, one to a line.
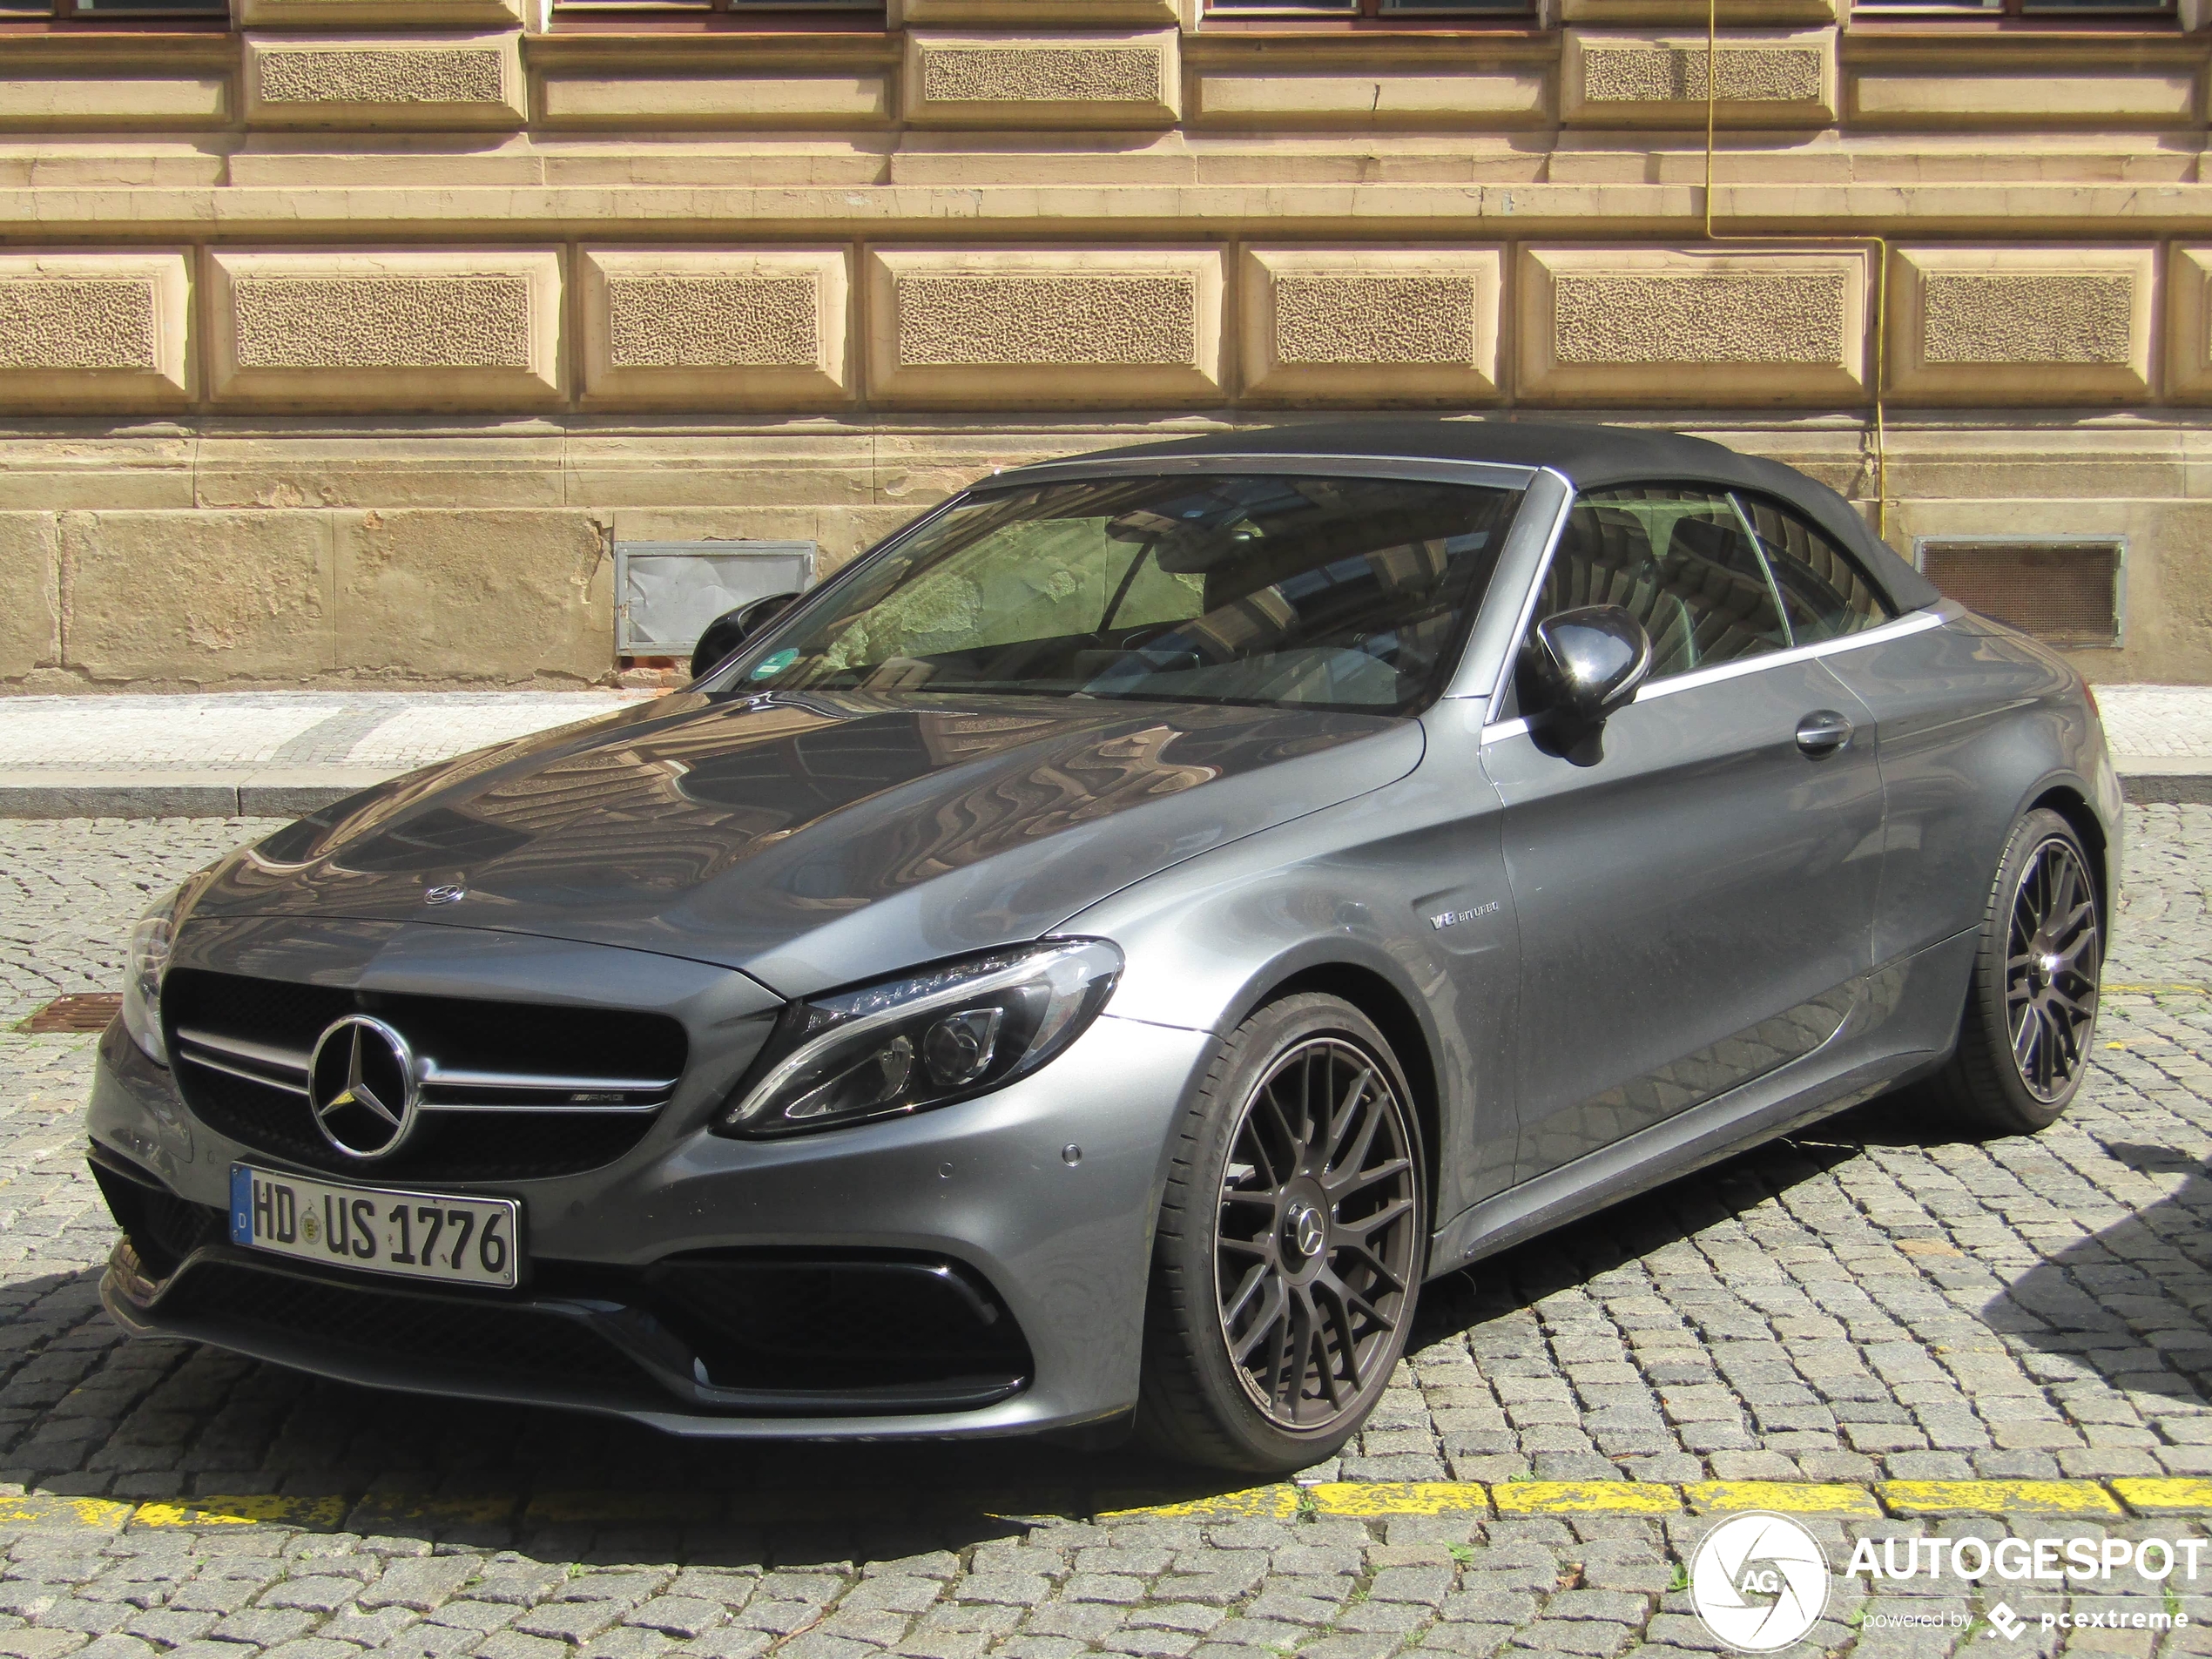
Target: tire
(1284,1231)
(2024,1037)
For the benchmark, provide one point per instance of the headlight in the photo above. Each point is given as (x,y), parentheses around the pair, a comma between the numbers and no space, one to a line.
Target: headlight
(149,942)
(942,1034)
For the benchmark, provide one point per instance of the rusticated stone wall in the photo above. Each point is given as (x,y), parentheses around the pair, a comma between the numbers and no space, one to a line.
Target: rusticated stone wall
(81,330)
(1048,326)
(1615,79)
(1371,326)
(373,81)
(345,345)
(2042,326)
(716,327)
(1102,80)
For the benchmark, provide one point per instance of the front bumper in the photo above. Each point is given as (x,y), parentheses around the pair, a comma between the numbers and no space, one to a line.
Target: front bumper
(1038,1200)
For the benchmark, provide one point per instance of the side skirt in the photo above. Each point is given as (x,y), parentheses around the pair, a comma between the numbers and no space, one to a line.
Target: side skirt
(1905,1018)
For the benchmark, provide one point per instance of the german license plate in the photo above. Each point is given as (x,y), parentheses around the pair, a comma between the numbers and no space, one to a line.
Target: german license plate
(413,1235)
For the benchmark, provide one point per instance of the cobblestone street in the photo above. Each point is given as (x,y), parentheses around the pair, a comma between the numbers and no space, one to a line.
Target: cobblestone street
(1871,1302)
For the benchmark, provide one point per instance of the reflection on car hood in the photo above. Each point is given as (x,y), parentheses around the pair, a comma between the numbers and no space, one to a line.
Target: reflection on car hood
(813,841)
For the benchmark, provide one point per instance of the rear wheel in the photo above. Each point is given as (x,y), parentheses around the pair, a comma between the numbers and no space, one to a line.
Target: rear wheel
(2024,1040)
(1290,1244)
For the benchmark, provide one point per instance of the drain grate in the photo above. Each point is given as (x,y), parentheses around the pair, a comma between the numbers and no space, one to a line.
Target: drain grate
(78,1011)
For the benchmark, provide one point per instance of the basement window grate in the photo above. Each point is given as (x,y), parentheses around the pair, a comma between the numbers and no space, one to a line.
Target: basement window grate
(2064,590)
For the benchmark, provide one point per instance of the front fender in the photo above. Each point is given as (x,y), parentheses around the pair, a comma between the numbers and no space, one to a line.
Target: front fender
(1352,889)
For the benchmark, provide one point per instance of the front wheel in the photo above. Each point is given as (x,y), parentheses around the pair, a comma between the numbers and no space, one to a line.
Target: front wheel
(2024,1040)
(1290,1244)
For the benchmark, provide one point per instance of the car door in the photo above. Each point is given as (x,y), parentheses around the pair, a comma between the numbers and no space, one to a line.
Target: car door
(1695,899)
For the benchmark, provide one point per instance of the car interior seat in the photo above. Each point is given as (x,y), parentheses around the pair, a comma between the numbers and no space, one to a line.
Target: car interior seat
(1710,566)
(1605,559)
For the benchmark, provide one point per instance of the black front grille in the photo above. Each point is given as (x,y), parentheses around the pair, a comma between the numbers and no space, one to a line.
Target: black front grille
(493,1338)
(461,1033)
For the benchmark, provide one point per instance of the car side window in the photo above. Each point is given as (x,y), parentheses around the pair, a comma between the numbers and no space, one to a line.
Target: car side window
(1676,558)
(1825,592)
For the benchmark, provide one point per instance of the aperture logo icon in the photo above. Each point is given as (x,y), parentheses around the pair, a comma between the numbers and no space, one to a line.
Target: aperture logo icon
(1759,1582)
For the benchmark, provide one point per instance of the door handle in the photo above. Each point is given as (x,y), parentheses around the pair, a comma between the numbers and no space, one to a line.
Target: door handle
(1823,732)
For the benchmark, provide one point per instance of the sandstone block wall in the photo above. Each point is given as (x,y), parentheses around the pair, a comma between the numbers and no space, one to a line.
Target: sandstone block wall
(413,328)
(344,343)
(364,82)
(94,330)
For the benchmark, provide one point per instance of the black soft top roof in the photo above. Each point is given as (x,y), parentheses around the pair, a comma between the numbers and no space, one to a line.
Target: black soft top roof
(1589,457)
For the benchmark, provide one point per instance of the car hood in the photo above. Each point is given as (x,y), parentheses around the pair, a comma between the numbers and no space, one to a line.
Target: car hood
(812,840)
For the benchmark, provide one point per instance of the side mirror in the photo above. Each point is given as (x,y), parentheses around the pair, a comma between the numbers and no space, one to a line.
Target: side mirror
(729,630)
(1588,663)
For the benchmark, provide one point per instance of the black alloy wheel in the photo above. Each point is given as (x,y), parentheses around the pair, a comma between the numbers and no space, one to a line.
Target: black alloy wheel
(1292,1243)
(2024,1038)
(1314,1249)
(2051,967)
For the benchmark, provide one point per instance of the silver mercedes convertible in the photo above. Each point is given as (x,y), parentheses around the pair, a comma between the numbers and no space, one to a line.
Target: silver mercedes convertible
(1084,966)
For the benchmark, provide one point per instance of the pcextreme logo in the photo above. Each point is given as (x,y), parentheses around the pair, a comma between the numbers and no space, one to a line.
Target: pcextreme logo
(1758,1583)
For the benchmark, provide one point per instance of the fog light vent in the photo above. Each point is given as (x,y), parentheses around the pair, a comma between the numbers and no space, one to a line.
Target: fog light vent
(2064,592)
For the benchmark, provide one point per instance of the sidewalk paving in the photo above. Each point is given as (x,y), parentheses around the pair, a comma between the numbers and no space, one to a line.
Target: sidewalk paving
(250,753)
(280,753)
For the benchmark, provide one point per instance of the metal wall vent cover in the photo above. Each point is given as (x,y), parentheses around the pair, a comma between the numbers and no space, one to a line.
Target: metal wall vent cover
(667,592)
(2061,590)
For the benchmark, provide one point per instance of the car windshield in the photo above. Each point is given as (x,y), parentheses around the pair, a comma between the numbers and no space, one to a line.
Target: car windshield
(1275,589)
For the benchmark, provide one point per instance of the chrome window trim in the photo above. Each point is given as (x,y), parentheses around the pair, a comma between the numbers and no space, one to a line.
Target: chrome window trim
(1917,622)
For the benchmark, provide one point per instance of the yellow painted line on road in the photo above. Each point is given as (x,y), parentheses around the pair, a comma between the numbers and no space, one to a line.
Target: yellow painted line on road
(1363,1498)
(2161,990)
(1782,1497)
(43,1509)
(1996,1498)
(2165,1495)
(406,1512)
(1585,1498)
(1260,1503)
(257,1508)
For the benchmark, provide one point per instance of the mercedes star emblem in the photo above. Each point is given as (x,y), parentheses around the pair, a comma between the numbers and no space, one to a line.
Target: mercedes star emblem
(364,1087)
